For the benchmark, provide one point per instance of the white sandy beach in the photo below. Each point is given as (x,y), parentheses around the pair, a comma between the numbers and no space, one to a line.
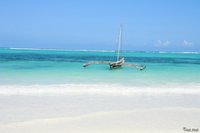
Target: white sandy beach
(99,113)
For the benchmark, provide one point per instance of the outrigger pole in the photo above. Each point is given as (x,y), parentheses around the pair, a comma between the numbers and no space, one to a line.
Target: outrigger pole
(116,64)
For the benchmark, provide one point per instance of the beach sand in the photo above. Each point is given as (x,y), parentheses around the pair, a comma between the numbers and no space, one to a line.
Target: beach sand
(99,113)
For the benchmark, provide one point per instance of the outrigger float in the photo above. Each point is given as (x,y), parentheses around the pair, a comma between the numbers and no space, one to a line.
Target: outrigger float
(119,62)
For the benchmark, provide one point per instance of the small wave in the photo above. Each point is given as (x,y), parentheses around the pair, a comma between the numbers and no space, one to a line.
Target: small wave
(62,49)
(96,89)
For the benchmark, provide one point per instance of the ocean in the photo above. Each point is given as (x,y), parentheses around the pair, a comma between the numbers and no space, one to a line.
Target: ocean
(41,84)
(50,67)
(31,67)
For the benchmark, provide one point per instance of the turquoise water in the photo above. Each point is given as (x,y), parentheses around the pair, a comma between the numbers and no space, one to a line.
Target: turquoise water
(46,67)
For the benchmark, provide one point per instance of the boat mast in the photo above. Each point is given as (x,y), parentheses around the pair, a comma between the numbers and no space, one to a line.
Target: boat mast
(119,41)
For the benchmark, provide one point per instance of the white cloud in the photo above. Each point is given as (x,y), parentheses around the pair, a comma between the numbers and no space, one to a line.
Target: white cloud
(187,44)
(160,44)
(166,43)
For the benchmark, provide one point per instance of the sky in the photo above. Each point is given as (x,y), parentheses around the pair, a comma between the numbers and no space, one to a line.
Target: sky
(148,25)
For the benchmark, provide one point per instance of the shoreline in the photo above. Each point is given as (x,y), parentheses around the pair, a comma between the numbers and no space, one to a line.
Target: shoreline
(112,89)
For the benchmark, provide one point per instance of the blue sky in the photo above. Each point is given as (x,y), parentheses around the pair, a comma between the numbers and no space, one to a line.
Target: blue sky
(148,25)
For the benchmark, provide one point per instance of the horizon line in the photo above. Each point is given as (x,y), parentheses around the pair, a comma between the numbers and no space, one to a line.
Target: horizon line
(96,50)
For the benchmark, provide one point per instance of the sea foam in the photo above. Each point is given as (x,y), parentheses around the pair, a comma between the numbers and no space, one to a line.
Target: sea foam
(112,89)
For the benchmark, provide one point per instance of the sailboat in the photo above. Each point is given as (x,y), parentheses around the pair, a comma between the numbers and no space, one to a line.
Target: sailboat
(119,62)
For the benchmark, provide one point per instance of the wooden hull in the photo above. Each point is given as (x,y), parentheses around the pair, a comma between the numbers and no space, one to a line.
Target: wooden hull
(115,66)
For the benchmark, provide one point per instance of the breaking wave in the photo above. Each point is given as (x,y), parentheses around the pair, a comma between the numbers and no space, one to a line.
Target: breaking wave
(97,89)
